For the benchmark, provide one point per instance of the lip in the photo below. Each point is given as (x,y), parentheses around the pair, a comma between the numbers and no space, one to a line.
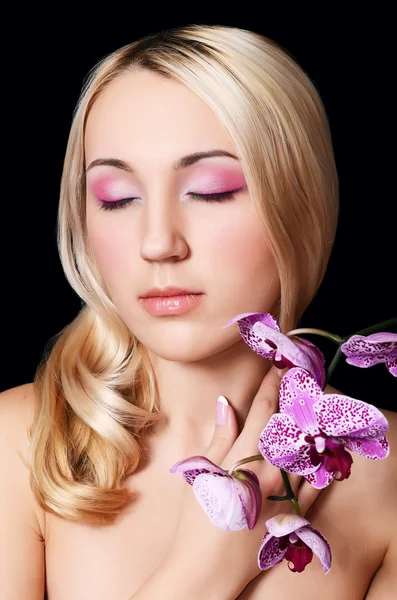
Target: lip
(171,305)
(168,291)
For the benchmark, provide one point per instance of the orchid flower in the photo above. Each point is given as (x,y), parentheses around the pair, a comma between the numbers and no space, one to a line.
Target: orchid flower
(262,334)
(293,538)
(310,433)
(232,502)
(366,351)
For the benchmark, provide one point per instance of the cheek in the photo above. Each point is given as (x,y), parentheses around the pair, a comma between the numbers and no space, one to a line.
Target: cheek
(111,250)
(241,255)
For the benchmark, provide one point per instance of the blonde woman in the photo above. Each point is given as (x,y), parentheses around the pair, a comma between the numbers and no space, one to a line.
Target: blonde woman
(200,167)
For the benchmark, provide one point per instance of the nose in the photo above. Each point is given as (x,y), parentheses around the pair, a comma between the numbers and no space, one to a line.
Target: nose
(162,237)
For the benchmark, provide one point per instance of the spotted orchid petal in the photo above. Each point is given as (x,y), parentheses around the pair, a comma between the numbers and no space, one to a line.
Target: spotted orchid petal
(298,393)
(311,433)
(266,344)
(391,363)
(218,497)
(366,351)
(270,553)
(320,478)
(231,502)
(282,444)
(262,334)
(193,466)
(342,416)
(374,449)
(317,358)
(292,537)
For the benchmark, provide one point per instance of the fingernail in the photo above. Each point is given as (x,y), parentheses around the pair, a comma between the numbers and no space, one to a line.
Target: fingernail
(221,410)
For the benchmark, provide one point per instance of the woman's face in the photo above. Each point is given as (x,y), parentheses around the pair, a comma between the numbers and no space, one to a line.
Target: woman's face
(165,236)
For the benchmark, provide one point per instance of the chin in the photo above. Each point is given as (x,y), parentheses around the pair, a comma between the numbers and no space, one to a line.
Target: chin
(188,346)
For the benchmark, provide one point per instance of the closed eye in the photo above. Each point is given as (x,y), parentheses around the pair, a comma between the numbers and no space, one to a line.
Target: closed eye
(204,197)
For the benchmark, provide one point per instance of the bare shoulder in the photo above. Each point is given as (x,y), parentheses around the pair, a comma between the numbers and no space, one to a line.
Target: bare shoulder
(375,483)
(16,416)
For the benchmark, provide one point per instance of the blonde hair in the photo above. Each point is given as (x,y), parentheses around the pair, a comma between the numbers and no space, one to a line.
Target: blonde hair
(95,388)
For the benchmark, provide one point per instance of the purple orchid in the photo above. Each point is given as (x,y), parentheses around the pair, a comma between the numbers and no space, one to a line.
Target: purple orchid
(262,334)
(309,434)
(293,538)
(367,350)
(232,502)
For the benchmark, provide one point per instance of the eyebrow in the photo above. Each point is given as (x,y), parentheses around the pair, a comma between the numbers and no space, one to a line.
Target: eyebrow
(181,163)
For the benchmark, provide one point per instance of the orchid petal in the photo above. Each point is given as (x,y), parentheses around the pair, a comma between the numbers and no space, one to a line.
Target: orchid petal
(193,466)
(284,524)
(248,488)
(299,556)
(317,543)
(286,353)
(265,343)
(270,554)
(320,478)
(297,394)
(282,444)
(374,449)
(341,416)
(220,500)
(246,322)
(317,359)
(366,351)
(391,363)
(252,317)
(340,462)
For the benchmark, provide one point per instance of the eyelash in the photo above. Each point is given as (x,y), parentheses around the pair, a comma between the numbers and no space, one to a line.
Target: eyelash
(204,197)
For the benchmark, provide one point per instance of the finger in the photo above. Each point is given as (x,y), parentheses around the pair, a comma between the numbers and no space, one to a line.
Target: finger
(306,495)
(264,405)
(225,432)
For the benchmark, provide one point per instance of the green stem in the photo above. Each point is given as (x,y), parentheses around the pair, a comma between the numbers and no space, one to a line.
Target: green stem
(378,327)
(331,336)
(243,461)
(334,362)
(290,492)
(287,484)
(296,506)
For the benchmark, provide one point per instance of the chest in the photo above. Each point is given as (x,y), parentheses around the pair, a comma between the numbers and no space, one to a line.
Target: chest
(111,562)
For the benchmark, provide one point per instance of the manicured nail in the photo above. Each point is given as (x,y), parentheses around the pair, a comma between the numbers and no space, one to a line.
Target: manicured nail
(221,410)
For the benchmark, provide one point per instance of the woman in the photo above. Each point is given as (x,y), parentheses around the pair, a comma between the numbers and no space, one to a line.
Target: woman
(200,159)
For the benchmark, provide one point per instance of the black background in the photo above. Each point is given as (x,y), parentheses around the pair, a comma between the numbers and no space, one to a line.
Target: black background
(351,62)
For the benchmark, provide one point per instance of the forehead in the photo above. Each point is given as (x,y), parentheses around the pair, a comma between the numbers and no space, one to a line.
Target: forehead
(146,116)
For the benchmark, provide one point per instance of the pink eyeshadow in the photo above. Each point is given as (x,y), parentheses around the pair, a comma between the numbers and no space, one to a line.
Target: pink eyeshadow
(204,180)
(109,188)
(216,181)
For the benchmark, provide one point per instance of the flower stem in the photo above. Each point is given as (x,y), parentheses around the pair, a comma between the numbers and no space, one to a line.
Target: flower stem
(296,506)
(243,461)
(331,336)
(334,362)
(290,493)
(378,327)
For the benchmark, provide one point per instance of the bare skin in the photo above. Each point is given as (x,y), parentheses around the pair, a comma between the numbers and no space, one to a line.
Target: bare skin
(80,561)
(165,237)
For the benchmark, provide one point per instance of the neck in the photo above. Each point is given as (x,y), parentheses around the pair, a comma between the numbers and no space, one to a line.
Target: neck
(188,393)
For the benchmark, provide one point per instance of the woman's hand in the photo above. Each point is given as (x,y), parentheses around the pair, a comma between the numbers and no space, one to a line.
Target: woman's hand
(228,560)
